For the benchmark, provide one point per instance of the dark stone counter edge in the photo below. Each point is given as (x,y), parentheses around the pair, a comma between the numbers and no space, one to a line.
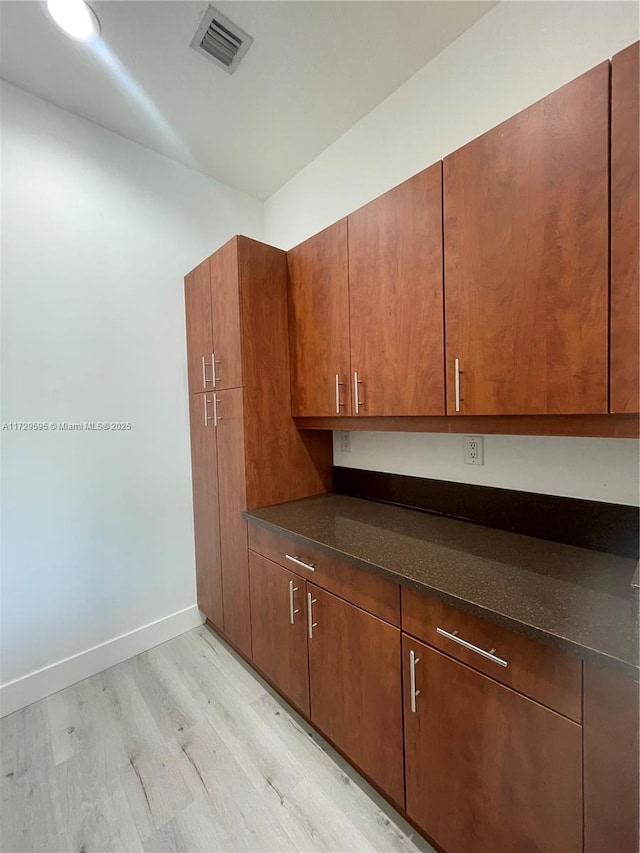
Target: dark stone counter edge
(627,667)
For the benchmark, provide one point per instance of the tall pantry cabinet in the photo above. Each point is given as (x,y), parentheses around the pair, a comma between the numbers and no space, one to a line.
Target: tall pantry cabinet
(246,451)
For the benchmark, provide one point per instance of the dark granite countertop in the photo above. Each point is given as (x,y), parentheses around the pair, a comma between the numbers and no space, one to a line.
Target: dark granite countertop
(570,597)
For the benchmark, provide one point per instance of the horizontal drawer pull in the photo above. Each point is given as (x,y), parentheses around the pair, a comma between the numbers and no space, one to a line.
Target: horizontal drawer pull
(300,562)
(489,655)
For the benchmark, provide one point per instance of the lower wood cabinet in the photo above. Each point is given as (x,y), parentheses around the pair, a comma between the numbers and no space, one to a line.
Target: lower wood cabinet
(487,769)
(356,688)
(279,628)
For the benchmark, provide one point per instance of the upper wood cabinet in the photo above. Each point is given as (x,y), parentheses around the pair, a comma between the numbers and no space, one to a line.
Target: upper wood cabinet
(319,317)
(225,316)
(487,769)
(197,295)
(526,259)
(625,231)
(395,299)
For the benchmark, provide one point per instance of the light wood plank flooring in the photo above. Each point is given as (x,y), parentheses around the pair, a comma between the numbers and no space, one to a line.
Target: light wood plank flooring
(182,748)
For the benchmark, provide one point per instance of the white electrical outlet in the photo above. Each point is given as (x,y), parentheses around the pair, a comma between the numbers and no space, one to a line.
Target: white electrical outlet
(473,450)
(345,441)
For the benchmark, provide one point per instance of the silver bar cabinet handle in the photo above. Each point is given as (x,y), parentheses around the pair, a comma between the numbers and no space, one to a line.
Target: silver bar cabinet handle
(207,416)
(292,610)
(338,384)
(216,416)
(453,635)
(356,397)
(213,368)
(310,623)
(457,372)
(204,374)
(300,562)
(413,660)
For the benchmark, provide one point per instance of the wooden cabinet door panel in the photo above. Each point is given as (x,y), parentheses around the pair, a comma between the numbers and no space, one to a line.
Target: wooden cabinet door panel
(625,230)
(526,259)
(197,298)
(233,527)
(319,324)
(488,770)
(356,688)
(206,518)
(225,312)
(611,761)
(279,628)
(395,298)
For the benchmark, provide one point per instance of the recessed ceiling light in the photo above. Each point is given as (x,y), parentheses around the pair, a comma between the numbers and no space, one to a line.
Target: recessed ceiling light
(75,18)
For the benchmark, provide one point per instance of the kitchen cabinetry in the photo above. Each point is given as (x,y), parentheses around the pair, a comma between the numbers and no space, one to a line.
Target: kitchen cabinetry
(625,230)
(611,761)
(366,295)
(246,450)
(486,768)
(526,259)
(319,302)
(206,513)
(354,671)
(395,299)
(279,628)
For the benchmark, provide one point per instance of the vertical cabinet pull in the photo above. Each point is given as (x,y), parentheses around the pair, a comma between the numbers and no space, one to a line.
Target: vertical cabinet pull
(292,611)
(338,385)
(310,623)
(204,374)
(413,660)
(212,365)
(216,416)
(356,396)
(457,372)
(207,416)
(213,369)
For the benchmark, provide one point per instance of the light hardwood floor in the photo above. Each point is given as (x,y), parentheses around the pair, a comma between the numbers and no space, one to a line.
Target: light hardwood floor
(182,748)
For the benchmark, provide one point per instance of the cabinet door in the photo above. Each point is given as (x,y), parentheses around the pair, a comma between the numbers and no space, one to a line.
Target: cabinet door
(233,527)
(356,690)
(526,259)
(279,628)
(319,324)
(625,230)
(206,519)
(225,311)
(487,769)
(395,299)
(197,298)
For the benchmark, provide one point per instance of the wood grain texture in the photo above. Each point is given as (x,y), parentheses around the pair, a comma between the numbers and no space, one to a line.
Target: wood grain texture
(372,593)
(625,230)
(206,511)
(540,672)
(197,297)
(611,761)
(395,298)
(280,646)
(225,312)
(233,527)
(319,322)
(221,765)
(356,688)
(526,258)
(486,769)
(282,464)
(612,426)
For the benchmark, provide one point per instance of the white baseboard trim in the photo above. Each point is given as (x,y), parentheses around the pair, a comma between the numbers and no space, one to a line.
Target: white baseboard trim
(50,679)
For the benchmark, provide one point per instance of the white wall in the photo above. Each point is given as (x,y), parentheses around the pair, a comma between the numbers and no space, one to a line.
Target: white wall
(598,469)
(97,234)
(516,54)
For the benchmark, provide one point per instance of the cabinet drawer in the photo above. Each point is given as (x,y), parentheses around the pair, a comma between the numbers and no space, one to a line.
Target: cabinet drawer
(541,672)
(368,591)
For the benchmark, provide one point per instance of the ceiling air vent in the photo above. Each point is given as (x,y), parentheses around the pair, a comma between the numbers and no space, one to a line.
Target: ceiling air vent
(220,40)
